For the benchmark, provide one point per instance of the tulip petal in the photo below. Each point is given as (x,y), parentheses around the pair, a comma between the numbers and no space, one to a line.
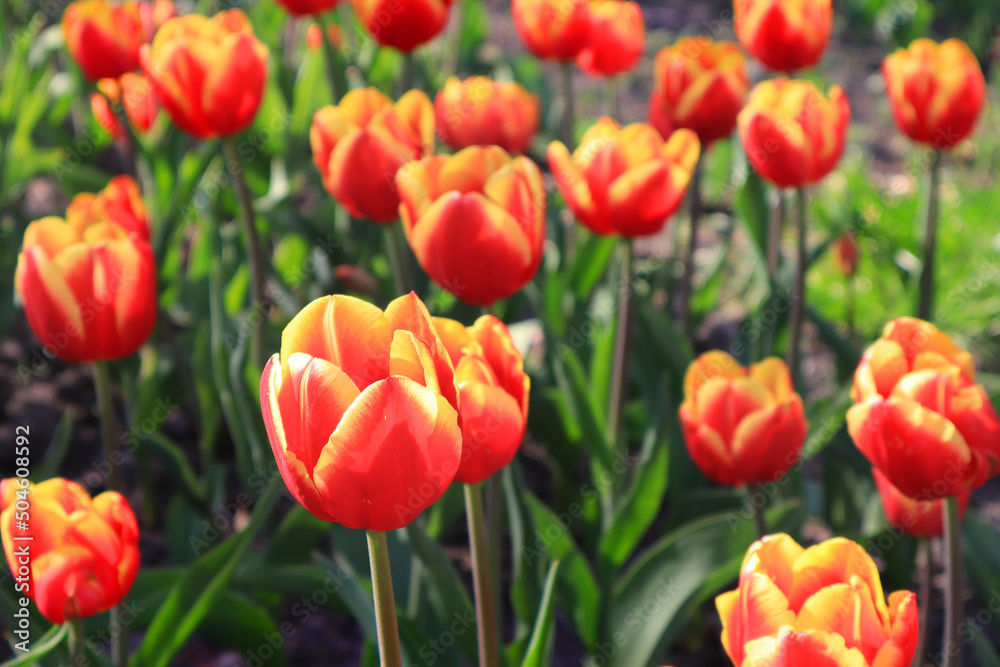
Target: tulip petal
(492,430)
(64,584)
(832,562)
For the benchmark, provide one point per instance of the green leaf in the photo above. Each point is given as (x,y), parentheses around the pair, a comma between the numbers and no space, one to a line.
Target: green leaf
(40,647)
(591,264)
(58,446)
(236,622)
(539,653)
(751,204)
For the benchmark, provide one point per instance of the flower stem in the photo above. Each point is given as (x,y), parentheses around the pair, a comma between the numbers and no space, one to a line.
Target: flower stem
(395,248)
(776,226)
(258,315)
(619,373)
(798,293)
(486,626)
(119,638)
(925,308)
(77,642)
(568,119)
(759,513)
(385,604)
(106,410)
(333,64)
(687,289)
(925,565)
(951,645)
(614,100)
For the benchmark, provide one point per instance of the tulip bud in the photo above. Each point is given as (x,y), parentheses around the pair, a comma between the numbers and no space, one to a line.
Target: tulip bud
(617,37)
(360,144)
(403,24)
(845,254)
(917,518)
(784,35)
(483,112)
(135,94)
(103,38)
(475,221)
(625,180)
(553,29)
(208,73)
(936,91)
(793,135)
(84,553)
(308,7)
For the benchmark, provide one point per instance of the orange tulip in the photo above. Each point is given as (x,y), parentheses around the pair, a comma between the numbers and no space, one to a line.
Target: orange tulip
(361,409)
(208,73)
(553,29)
(920,418)
(785,35)
(845,254)
(625,180)
(360,144)
(793,135)
(475,221)
(918,518)
(403,24)
(936,91)
(493,391)
(742,425)
(308,7)
(483,112)
(700,85)
(103,38)
(83,552)
(134,93)
(617,37)
(88,283)
(820,606)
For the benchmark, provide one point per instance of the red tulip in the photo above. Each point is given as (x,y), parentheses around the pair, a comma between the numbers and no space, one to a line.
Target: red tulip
(483,112)
(361,410)
(135,94)
(103,38)
(308,7)
(475,221)
(403,24)
(120,202)
(553,29)
(917,518)
(84,554)
(617,37)
(785,35)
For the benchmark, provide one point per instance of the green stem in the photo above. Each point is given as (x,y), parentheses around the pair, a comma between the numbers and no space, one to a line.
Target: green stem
(395,248)
(332,57)
(119,642)
(925,565)
(687,289)
(258,311)
(776,226)
(613,101)
(568,121)
(798,293)
(453,46)
(77,642)
(489,651)
(951,644)
(385,604)
(619,377)
(759,513)
(408,79)
(106,409)
(127,138)
(925,309)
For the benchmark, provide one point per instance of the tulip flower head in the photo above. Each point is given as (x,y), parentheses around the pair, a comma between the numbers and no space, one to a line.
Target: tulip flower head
(785,35)
(308,7)
(475,221)
(920,417)
(917,518)
(793,134)
(134,93)
(818,606)
(700,85)
(553,29)
(360,144)
(845,253)
(361,410)
(617,37)
(84,552)
(483,112)
(403,24)
(208,73)
(103,38)
(627,180)
(742,425)
(493,391)
(119,202)
(936,91)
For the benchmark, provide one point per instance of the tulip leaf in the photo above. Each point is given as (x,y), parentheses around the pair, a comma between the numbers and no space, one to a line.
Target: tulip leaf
(310,93)
(591,263)
(826,419)
(986,655)
(237,622)
(40,647)
(753,208)
(539,653)
(56,451)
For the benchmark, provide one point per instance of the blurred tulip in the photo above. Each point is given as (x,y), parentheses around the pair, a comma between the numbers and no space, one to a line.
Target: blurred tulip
(103,38)
(625,180)
(314,36)
(845,253)
(120,203)
(475,221)
(155,14)
(403,24)
(553,29)
(134,93)
(820,606)
(617,37)
(936,91)
(208,73)
(361,410)
(917,518)
(493,392)
(785,35)
(360,144)
(793,135)
(483,112)
(920,418)
(742,425)
(700,85)
(84,553)
(308,7)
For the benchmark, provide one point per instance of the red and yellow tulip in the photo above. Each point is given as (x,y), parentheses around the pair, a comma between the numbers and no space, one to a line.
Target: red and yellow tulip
(617,37)
(481,112)
(553,29)
(785,35)
(104,38)
(917,518)
(134,93)
(403,24)
(119,202)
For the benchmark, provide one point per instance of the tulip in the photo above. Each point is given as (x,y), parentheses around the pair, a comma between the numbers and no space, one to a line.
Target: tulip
(155,14)
(88,283)
(119,202)
(480,111)
(84,553)
(741,425)
(920,417)
(360,144)
(103,38)
(700,85)
(845,254)
(553,29)
(208,73)
(917,518)
(308,7)
(936,91)
(625,180)
(793,134)
(314,36)
(403,24)
(361,410)
(136,96)
(785,35)
(493,394)
(475,221)
(818,606)
(617,37)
